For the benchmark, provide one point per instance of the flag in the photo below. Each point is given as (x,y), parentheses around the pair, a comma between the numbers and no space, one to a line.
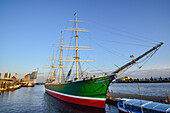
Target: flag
(74,13)
(131,56)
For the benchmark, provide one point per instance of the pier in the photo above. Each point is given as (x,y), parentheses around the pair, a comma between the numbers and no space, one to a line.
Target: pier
(113,98)
(6,83)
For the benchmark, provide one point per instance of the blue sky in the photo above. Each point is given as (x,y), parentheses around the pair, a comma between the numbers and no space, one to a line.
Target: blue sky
(28,28)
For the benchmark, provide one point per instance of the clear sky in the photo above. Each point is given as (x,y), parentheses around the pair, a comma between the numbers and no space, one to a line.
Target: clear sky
(28,28)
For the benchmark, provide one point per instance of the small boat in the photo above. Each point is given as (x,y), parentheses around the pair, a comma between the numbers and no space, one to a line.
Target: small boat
(30,85)
(24,84)
(10,88)
(141,106)
(17,86)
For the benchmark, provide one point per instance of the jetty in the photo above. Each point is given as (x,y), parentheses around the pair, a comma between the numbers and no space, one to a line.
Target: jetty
(9,84)
(114,97)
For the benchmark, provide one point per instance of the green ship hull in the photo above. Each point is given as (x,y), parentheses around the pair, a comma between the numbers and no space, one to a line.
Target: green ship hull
(88,92)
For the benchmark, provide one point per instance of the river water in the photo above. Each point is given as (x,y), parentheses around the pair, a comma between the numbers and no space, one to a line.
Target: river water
(148,89)
(35,100)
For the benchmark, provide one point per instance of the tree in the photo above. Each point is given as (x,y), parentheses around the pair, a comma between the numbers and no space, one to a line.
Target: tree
(155,79)
(146,79)
(137,79)
(160,78)
(131,80)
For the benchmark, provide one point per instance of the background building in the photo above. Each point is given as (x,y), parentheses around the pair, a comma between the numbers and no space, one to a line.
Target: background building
(31,77)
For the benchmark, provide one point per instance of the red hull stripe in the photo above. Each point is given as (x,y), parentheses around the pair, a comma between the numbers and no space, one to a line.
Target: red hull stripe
(93,102)
(76,96)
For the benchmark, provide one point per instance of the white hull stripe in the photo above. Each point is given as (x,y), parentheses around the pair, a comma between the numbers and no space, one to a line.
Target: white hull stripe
(76,96)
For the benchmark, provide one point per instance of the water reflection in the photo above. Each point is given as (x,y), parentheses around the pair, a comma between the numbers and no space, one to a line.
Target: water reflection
(35,100)
(56,105)
(110,108)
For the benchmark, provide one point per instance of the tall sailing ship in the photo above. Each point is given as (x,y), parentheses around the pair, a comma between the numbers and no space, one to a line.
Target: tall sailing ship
(83,91)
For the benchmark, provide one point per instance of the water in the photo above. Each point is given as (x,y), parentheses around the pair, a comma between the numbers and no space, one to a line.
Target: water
(148,89)
(35,100)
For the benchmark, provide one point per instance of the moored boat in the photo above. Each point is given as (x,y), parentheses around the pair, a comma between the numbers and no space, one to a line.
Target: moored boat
(142,106)
(83,90)
(10,88)
(18,86)
(25,84)
(30,85)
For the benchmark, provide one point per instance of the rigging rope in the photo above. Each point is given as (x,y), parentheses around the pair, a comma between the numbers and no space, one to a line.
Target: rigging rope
(129,33)
(147,59)
(127,43)
(96,68)
(70,69)
(68,52)
(150,56)
(56,72)
(98,89)
(131,37)
(125,70)
(109,51)
(80,69)
(63,75)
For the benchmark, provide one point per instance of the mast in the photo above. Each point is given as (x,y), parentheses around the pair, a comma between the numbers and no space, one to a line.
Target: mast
(138,58)
(77,57)
(61,56)
(52,67)
(77,47)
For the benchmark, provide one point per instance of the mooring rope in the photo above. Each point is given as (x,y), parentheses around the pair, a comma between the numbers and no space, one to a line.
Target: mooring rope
(95,90)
